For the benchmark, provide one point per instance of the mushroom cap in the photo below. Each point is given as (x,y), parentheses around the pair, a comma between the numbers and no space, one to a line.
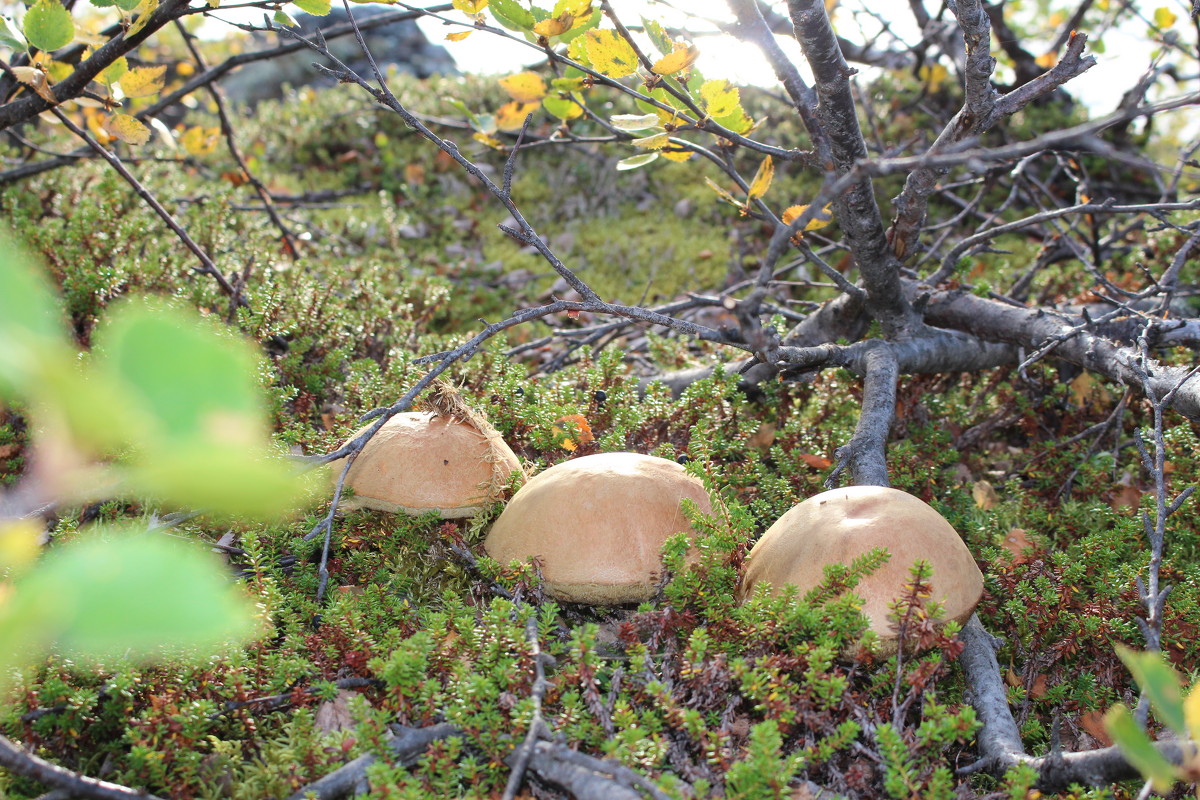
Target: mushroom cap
(597,525)
(421,461)
(837,526)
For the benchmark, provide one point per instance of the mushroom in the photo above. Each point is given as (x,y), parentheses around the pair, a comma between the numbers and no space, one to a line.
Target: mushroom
(837,526)
(597,525)
(428,461)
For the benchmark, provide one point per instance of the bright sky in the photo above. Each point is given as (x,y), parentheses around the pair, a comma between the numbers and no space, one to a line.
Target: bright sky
(1126,56)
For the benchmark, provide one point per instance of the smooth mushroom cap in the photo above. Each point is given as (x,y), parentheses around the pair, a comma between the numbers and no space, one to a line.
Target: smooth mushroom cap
(597,525)
(421,461)
(837,526)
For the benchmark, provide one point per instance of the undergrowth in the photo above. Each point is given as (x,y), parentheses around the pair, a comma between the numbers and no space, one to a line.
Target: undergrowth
(692,689)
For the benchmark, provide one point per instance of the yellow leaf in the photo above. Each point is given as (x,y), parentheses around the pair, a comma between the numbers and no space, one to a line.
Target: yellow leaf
(458,37)
(142,81)
(489,139)
(20,541)
(1164,17)
(200,141)
(511,116)
(677,154)
(816,223)
(1191,712)
(610,54)
(553,26)
(985,495)
(933,75)
(576,8)
(720,99)
(185,69)
(1046,60)
(680,59)
(58,70)
(724,195)
(141,15)
(35,79)
(762,179)
(128,129)
(470,6)
(524,87)
(655,142)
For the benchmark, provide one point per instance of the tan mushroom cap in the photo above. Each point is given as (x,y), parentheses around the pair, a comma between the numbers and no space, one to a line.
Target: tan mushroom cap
(421,461)
(597,525)
(837,526)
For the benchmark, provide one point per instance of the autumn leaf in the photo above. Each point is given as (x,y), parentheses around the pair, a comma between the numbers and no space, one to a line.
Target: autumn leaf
(933,76)
(144,10)
(815,461)
(1164,17)
(985,495)
(581,431)
(488,139)
(576,8)
(609,53)
(819,220)
(470,6)
(142,81)
(762,179)
(524,87)
(36,80)
(675,153)
(511,116)
(1046,60)
(720,98)
(554,26)
(655,142)
(1017,541)
(681,58)
(199,141)
(127,129)
(459,36)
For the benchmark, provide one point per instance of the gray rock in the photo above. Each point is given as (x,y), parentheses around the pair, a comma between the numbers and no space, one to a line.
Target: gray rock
(400,45)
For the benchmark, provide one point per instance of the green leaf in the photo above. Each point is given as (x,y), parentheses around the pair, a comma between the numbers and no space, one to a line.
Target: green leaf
(48,26)
(31,328)
(10,36)
(633,162)
(318,8)
(1161,684)
(187,382)
(512,15)
(283,18)
(131,594)
(1138,748)
(658,36)
(564,108)
(462,107)
(114,71)
(209,475)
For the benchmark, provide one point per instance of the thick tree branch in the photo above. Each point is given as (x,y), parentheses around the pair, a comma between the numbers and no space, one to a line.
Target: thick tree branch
(856,209)
(1034,328)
